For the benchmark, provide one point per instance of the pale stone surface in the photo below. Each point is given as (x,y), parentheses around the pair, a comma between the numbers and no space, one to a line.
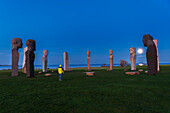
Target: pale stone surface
(140,70)
(156,44)
(111,59)
(89,73)
(48,74)
(88,60)
(146,72)
(151,54)
(132,51)
(132,73)
(45,60)
(30,57)
(16,44)
(24,60)
(66,61)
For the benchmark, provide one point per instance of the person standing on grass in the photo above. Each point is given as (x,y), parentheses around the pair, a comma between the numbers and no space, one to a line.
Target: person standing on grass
(60,72)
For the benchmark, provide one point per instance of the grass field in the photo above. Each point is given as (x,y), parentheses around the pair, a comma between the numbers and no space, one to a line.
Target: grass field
(106,92)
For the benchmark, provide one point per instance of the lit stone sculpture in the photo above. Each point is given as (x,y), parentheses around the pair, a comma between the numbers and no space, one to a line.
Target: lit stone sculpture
(66,61)
(16,44)
(30,57)
(111,59)
(24,60)
(88,60)
(132,51)
(151,54)
(45,60)
(156,44)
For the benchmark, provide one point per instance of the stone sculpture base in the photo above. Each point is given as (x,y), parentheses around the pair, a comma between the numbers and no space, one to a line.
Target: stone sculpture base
(90,73)
(132,73)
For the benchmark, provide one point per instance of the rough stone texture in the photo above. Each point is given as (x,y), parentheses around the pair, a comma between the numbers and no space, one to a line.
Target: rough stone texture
(156,44)
(24,60)
(66,61)
(111,59)
(151,54)
(16,44)
(88,60)
(132,51)
(30,56)
(45,60)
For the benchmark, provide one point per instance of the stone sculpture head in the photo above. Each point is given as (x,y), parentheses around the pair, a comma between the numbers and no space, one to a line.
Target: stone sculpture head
(147,40)
(132,50)
(31,44)
(16,43)
(88,53)
(45,53)
(66,53)
(110,52)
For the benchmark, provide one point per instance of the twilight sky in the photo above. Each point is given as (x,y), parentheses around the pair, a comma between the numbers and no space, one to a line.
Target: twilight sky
(76,26)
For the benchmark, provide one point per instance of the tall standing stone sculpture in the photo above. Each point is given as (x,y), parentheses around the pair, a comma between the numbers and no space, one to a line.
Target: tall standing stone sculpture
(16,44)
(24,60)
(45,60)
(66,61)
(111,59)
(151,54)
(132,51)
(30,56)
(88,60)
(156,44)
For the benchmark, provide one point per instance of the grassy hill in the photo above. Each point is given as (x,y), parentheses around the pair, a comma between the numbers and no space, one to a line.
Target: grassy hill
(107,91)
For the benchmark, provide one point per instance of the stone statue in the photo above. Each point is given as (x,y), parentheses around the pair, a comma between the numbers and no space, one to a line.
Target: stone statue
(88,60)
(132,51)
(16,44)
(30,56)
(111,59)
(156,44)
(66,61)
(24,60)
(45,60)
(151,54)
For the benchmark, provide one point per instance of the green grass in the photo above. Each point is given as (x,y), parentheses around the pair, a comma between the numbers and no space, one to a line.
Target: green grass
(106,92)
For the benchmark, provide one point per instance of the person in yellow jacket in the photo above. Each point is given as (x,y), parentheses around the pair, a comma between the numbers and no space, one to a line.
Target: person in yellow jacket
(60,72)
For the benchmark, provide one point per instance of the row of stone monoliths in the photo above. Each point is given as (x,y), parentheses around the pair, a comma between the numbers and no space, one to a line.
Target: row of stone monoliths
(132,51)
(29,56)
(44,60)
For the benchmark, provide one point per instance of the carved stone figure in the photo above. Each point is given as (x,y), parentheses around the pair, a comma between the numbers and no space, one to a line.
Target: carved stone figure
(151,54)
(88,60)
(66,61)
(24,60)
(16,44)
(45,60)
(111,59)
(156,44)
(30,56)
(132,51)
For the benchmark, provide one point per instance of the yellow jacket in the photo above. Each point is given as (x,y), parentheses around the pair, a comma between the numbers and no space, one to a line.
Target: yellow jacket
(60,70)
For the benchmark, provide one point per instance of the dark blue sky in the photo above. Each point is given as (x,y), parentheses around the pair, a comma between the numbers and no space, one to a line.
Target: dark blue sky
(76,26)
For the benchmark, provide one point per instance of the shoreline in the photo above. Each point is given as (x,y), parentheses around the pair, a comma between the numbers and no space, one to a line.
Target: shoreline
(84,67)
